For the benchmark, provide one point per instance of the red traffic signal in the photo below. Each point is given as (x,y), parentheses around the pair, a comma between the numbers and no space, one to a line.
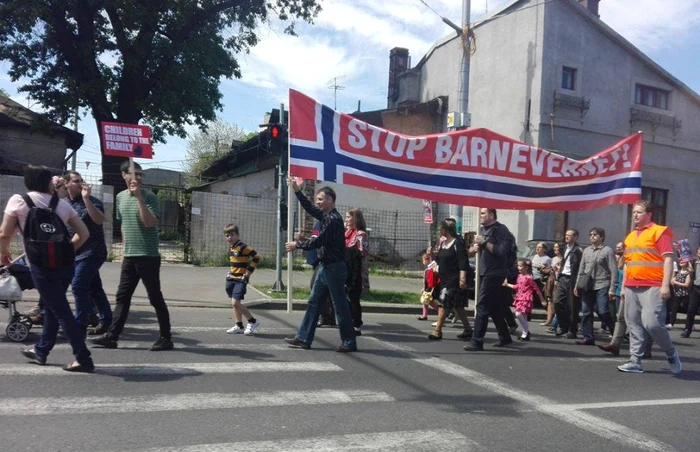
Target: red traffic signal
(275,131)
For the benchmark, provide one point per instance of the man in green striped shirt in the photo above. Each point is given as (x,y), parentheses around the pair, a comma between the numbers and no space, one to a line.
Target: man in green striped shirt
(138,210)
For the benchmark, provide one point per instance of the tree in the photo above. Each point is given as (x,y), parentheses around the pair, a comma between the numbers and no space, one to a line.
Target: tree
(4,93)
(206,146)
(133,60)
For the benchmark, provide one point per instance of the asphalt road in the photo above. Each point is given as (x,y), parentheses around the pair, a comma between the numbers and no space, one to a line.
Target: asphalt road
(400,392)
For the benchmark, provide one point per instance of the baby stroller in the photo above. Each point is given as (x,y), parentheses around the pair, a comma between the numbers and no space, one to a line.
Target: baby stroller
(13,280)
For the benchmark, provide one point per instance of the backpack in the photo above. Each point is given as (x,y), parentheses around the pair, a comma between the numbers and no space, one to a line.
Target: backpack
(46,239)
(512,256)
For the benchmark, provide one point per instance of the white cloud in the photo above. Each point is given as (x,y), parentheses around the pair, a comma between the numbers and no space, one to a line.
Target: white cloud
(651,24)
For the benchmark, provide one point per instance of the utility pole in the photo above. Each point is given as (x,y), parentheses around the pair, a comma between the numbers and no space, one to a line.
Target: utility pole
(75,127)
(457,212)
(333,84)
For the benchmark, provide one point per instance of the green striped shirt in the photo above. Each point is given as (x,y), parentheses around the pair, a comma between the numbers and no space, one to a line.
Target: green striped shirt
(138,240)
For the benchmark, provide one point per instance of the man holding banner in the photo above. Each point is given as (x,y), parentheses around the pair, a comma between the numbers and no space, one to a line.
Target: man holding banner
(494,243)
(332,270)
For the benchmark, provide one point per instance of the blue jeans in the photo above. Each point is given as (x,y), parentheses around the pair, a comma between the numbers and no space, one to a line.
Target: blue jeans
(52,286)
(87,289)
(595,300)
(330,279)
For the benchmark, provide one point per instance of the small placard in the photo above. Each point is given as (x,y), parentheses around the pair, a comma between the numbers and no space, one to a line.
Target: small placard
(196,211)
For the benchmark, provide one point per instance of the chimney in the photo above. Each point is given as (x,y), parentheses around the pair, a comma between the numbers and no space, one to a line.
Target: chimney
(591,5)
(398,63)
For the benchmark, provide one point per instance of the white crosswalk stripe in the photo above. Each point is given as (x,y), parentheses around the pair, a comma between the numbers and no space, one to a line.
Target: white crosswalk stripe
(31,406)
(181,369)
(135,345)
(405,441)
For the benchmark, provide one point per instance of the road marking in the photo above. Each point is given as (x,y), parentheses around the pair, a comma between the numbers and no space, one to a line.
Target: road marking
(405,441)
(182,369)
(631,403)
(133,345)
(599,426)
(34,406)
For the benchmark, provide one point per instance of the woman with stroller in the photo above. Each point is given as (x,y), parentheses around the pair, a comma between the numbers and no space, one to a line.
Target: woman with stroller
(50,281)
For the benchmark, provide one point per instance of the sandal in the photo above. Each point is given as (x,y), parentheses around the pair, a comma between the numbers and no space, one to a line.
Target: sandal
(75,366)
(435,336)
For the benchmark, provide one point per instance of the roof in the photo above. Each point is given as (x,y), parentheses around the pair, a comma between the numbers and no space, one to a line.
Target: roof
(13,114)
(586,15)
(242,159)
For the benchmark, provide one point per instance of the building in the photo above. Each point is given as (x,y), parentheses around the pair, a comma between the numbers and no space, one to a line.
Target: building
(554,75)
(27,137)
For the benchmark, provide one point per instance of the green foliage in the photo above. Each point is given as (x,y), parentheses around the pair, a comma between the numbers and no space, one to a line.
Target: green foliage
(127,61)
(206,146)
(4,93)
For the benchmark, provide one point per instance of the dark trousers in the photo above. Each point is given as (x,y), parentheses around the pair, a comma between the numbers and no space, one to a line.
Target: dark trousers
(327,316)
(490,304)
(566,306)
(692,308)
(354,294)
(135,269)
(52,286)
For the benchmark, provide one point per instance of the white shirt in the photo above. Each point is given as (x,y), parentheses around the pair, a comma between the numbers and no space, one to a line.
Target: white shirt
(567,264)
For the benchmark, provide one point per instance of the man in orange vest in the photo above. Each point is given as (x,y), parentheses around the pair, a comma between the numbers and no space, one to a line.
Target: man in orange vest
(648,270)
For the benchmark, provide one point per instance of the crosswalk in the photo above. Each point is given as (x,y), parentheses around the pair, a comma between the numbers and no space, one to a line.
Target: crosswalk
(209,376)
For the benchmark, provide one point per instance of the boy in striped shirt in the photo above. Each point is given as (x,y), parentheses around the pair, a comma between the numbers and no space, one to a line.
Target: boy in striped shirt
(243,260)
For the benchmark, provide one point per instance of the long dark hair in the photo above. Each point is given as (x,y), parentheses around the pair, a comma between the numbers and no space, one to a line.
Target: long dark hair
(449,227)
(360,224)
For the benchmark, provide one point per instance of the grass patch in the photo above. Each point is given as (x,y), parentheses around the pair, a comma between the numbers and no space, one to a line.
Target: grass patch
(374,296)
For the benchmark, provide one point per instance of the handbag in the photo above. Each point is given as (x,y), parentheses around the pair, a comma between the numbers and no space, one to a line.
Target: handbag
(9,289)
(427,297)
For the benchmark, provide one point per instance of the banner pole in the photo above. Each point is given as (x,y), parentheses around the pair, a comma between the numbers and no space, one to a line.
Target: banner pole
(477,265)
(290,218)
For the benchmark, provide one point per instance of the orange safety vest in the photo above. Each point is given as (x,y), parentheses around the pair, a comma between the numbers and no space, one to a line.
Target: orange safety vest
(643,262)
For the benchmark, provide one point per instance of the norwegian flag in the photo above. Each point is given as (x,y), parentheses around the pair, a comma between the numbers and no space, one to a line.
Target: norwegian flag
(474,167)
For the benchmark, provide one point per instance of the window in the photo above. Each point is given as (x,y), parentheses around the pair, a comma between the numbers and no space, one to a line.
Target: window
(651,97)
(658,199)
(568,78)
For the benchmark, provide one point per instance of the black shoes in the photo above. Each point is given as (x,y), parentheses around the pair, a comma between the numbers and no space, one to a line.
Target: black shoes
(470,347)
(296,343)
(346,348)
(467,335)
(685,334)
(571,335)
(435,337)
(30,353)
(104,341)
(162,344)
(503,343)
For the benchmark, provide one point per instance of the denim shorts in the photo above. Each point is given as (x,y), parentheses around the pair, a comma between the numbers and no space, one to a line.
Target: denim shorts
(235,289)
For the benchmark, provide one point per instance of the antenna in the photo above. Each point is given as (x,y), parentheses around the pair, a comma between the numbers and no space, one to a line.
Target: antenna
(333,84)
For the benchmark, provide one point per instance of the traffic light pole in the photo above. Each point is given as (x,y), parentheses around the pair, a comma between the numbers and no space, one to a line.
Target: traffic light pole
(278,286)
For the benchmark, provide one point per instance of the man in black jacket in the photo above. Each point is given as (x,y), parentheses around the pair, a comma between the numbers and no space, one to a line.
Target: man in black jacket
(495,242)
(566,305)
(332,271)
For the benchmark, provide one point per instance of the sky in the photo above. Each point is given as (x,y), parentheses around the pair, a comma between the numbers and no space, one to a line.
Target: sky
(351,40)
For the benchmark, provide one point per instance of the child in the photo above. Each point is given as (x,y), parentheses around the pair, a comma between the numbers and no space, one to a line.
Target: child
(525,287)
(430,286)
(243,261)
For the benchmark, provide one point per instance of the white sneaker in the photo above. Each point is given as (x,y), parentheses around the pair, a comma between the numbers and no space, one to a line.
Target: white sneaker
(669,326)
(251,327)
(675,364)
(632,367)
(235,330)
(434,324)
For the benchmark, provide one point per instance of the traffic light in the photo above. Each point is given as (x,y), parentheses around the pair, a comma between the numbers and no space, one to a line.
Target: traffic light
(277,134)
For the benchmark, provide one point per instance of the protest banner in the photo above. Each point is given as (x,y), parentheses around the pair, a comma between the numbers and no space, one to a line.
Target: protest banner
(474,167)
(126,140)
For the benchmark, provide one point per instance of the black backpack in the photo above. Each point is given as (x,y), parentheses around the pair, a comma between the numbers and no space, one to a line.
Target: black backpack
(46,239)
(512,256)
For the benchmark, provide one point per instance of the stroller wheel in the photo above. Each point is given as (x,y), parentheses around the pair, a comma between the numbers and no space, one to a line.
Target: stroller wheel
(17,331)
(24,319)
